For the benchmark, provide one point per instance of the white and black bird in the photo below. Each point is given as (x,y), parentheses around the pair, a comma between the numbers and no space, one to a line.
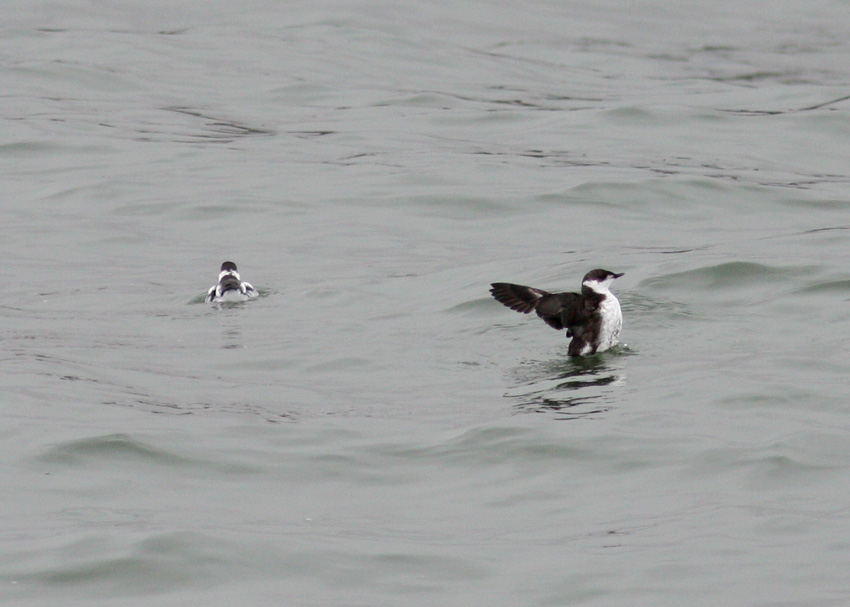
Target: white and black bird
(592,318)
(230,287)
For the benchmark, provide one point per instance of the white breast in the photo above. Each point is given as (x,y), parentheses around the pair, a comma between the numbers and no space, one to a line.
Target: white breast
(612,322)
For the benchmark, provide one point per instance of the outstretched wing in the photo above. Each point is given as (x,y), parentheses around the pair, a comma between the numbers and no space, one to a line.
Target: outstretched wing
(517,297)
(556,309)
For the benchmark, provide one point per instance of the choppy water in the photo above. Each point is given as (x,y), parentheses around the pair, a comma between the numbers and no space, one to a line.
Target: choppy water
(375,430)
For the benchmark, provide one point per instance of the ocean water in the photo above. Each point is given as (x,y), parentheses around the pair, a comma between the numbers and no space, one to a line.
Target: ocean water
(375,430)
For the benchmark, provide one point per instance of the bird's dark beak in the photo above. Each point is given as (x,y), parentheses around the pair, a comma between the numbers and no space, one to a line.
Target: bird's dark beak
(618,275)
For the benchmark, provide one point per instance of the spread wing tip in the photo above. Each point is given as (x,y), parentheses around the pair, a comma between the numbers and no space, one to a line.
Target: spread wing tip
(516,297)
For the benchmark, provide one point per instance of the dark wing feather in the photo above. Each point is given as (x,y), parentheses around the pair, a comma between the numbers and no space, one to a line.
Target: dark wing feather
(570,311)
(517,297)
(229,283)
(550,307)
(574,309)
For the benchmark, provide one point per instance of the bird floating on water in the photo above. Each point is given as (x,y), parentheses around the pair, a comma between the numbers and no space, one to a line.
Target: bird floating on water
(230,287)
(592,318)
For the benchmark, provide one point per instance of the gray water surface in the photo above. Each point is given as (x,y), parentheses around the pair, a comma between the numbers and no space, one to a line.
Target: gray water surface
(375,429)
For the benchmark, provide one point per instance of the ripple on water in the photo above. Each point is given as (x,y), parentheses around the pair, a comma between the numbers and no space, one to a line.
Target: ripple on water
(733,280)
(111,450)
(568,388)
(834,287)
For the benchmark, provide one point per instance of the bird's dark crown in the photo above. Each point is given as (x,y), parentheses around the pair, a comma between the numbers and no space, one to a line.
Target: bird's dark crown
(600,275)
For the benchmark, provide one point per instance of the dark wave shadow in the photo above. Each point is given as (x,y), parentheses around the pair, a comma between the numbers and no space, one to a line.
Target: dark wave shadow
(569,388)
